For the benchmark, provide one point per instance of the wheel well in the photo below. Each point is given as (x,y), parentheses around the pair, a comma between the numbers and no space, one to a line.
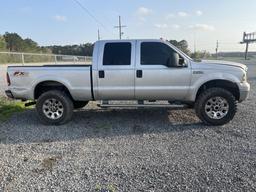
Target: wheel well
(228,85)
(50,85)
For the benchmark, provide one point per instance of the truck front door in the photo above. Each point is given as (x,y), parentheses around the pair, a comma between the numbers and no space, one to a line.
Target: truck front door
(116,70)
(155,80)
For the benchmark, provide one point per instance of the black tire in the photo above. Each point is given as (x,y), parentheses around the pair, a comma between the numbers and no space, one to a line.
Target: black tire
(61,97)
(79,104)
(204,97)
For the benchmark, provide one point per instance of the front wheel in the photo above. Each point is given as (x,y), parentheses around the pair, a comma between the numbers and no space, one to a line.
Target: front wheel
(216,106)
(54,108)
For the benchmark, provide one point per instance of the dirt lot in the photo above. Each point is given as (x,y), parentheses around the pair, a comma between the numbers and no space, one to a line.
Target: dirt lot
(130,150)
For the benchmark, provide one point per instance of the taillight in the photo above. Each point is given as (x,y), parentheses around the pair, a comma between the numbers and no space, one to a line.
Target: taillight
(8,79)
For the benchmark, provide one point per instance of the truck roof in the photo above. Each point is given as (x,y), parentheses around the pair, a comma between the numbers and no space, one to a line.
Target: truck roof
(125,40)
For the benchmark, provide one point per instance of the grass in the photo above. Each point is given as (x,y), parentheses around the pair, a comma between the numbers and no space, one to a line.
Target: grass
(9,107)
(109,188)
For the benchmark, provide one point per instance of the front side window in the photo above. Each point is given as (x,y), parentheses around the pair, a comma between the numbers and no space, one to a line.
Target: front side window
(117,54)
(155,53)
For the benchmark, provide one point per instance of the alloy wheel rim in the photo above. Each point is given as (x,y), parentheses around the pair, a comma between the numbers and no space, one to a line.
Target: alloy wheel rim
(216,107)
(53,109)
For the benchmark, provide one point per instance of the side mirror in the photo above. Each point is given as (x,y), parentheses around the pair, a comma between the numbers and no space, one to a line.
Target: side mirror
(174,60)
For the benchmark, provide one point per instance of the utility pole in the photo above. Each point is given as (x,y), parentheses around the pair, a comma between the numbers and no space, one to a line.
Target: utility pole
(217,48)
(98,34)
(120,26)
(246,50)
(194,46)
(194,41)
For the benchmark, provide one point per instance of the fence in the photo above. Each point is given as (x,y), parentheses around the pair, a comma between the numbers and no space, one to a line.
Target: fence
(18,58)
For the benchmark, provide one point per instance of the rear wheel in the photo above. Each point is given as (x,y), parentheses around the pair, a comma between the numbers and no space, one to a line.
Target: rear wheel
(79,104)
(216,106)
(54,108)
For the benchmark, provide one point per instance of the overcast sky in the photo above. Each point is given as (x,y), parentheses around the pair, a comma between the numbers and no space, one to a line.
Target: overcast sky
(200,22)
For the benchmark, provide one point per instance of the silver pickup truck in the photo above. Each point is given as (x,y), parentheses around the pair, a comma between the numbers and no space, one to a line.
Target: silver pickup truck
(139,70)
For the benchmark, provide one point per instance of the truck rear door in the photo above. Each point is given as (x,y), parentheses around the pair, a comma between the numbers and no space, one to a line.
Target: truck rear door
(116,73)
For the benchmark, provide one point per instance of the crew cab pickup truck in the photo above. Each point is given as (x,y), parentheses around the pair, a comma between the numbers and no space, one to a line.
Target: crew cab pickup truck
(138,70)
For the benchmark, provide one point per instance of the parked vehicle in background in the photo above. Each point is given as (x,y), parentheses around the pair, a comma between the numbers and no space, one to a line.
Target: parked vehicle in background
(142,70)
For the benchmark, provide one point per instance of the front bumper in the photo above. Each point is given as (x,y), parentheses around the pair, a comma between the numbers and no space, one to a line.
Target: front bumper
(244,91)
(9,94)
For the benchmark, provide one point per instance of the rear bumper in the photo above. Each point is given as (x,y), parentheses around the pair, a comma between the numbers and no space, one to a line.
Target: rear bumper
(9,94)
(18,93)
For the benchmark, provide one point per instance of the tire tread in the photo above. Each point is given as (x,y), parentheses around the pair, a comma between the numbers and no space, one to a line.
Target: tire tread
(206,94)
(68,109)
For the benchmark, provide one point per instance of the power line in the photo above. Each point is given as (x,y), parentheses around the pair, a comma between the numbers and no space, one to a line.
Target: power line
(90,14)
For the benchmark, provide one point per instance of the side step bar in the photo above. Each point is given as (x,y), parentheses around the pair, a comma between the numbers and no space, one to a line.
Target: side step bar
(140,105)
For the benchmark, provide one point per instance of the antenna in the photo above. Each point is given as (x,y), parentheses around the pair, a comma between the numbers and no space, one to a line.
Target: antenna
(98,34)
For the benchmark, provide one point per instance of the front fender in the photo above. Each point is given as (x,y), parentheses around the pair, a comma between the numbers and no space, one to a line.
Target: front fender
(197,82)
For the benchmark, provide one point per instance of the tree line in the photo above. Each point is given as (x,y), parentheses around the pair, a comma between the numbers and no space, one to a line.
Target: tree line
(14,42)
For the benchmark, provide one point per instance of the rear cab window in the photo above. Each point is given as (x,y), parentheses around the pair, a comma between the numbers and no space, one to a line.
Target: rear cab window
(117,54)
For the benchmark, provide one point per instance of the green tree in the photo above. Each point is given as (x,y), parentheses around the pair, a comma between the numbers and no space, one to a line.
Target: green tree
(14,41)
(182,45)
(2,44)
(201,55)
(30,46)
(82,49)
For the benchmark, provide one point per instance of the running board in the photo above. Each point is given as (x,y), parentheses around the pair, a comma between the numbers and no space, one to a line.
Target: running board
(140,105)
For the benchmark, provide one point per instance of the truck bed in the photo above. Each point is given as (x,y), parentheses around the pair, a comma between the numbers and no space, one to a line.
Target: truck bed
(76,78)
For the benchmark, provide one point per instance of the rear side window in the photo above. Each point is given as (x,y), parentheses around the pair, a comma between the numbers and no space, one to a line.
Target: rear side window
(117,54)
(155,53)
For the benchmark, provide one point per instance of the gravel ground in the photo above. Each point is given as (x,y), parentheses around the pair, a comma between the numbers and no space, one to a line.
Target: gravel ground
(130,150)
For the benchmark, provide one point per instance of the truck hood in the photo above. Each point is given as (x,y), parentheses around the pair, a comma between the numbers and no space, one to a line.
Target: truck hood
(220,62)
